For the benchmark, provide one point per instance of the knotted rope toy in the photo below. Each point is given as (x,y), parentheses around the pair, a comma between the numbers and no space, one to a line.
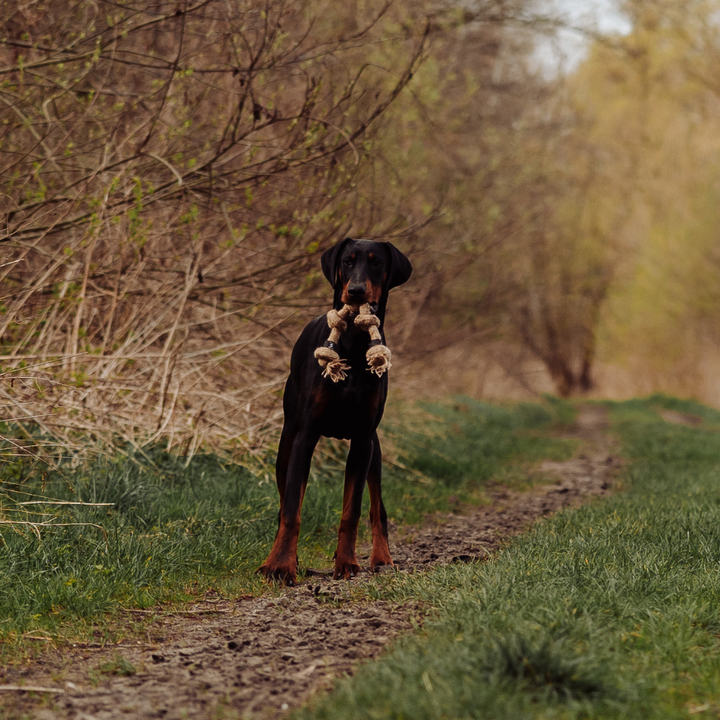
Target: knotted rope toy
(377,356)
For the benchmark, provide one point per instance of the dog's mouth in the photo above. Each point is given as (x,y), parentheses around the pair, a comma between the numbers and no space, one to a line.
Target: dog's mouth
(373,309)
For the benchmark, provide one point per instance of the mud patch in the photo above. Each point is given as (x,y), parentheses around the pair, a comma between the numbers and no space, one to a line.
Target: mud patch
(476,535)
(264,656)
(258,657)
(677,418)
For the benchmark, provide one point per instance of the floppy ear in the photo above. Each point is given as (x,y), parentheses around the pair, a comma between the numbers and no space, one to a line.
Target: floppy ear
(329,261)
(400,267)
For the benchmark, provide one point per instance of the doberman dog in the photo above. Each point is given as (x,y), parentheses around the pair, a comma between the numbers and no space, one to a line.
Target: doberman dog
(360,271)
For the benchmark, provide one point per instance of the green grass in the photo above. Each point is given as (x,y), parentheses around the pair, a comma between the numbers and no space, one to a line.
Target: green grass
(610,610)
(173,530)
(450,451)
(168,528)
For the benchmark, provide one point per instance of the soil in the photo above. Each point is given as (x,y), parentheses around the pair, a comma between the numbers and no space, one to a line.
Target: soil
(260,658)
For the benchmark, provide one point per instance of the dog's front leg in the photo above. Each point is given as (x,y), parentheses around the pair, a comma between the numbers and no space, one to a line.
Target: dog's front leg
(378,516)
(356,470)
(281,564)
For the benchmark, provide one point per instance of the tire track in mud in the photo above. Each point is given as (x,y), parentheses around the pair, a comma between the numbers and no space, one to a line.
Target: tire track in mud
(264,656)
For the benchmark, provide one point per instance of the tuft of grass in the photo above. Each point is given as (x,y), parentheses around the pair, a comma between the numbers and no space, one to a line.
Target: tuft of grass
(608,610)
(549,664)
(117,665)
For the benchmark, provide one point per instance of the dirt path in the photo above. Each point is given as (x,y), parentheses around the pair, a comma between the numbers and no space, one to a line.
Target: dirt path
(261,657)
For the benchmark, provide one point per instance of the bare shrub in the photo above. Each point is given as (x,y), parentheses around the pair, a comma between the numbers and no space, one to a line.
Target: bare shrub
(170,172)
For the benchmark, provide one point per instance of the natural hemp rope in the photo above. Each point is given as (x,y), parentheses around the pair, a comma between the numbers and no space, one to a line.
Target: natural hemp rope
(377,356)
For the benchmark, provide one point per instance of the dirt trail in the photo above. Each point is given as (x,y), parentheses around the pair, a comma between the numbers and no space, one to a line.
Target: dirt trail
(264,656)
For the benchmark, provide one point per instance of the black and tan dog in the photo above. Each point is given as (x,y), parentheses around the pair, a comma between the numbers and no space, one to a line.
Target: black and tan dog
(361,272)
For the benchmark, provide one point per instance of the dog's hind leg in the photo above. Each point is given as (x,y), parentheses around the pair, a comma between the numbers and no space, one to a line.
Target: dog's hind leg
(356,470)
(378,516)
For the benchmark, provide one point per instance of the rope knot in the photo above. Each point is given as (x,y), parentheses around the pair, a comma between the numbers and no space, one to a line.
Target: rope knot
(365,322)
(335,320)
(378,356)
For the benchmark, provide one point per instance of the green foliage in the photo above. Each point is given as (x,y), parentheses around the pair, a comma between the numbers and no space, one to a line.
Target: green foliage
(609,610)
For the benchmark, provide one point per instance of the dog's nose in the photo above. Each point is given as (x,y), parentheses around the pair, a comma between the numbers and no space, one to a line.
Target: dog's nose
(356,291)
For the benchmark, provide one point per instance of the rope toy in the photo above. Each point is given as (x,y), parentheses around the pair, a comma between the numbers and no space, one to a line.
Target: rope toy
(377,356)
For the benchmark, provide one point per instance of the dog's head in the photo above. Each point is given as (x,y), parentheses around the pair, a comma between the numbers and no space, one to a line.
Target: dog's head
(364,271)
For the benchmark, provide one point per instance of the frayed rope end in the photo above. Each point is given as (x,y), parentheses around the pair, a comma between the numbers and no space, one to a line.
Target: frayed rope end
(333,365)
(378,358)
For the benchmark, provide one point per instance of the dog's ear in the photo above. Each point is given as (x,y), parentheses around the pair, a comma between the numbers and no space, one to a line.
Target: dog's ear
(329,260)
(400,267)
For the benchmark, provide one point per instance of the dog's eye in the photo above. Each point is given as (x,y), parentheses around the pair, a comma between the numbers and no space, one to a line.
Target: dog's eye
(348,261)
(375,262)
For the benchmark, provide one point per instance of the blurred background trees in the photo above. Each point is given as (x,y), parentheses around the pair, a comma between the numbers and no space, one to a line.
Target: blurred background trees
(171,172)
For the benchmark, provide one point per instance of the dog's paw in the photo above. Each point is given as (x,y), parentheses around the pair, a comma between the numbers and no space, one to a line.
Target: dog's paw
(346,570)
(380,560)
(287,575)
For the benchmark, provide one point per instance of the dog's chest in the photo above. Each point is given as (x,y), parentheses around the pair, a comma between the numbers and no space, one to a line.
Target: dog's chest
(350,408)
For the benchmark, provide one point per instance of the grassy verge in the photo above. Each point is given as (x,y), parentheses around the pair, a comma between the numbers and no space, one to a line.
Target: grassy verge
(611,610)
(159,530)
